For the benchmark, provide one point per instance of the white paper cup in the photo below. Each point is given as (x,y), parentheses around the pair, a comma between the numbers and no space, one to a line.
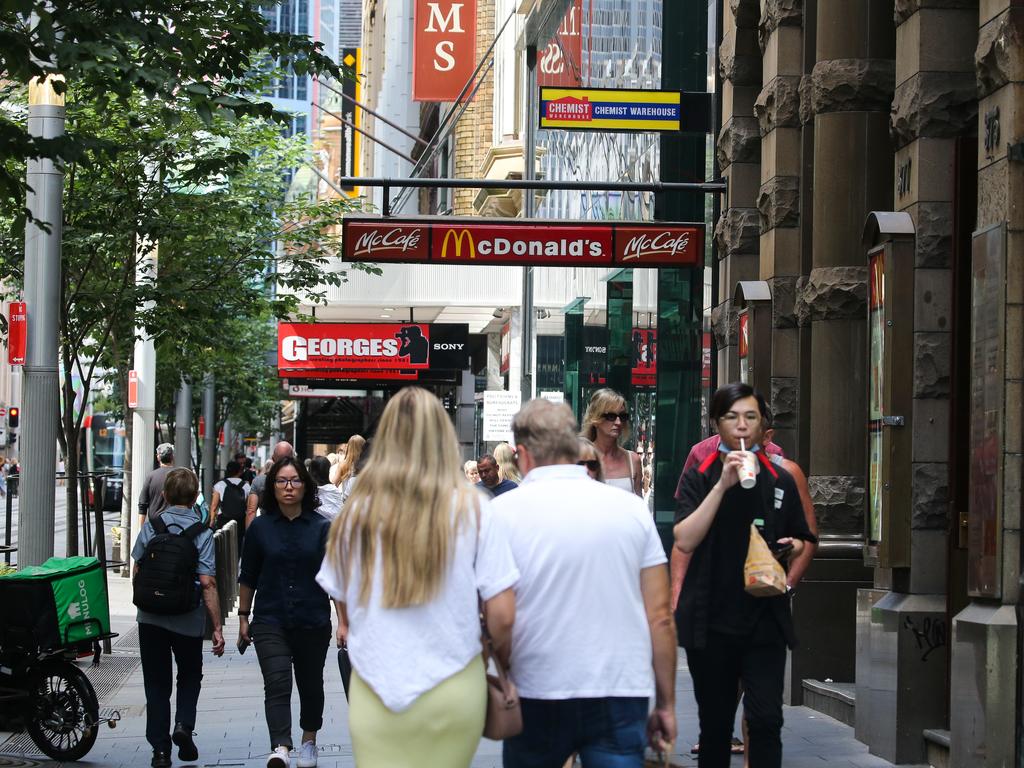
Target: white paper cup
(748,472)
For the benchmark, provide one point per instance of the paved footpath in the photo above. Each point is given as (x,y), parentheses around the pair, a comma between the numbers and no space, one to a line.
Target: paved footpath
(232,731)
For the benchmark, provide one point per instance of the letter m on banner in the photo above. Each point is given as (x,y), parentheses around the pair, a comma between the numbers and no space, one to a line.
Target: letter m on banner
(444,48)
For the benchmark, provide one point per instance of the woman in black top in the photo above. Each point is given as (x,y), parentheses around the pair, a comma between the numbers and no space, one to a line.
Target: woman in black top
(730,636)
(284,549)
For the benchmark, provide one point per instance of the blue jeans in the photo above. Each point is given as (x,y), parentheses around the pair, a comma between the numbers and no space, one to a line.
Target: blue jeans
(607,733)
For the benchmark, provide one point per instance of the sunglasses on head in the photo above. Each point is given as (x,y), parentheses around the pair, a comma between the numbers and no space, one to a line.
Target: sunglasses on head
(592,464)
(611,417)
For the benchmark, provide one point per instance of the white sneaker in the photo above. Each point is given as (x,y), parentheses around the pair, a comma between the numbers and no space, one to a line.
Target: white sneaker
(307,755)
(279,758)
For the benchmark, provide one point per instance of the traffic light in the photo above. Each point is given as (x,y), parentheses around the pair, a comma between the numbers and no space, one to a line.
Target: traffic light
(13,416)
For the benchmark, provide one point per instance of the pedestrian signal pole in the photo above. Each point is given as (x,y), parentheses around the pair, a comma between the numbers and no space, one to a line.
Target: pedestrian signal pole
(39,394)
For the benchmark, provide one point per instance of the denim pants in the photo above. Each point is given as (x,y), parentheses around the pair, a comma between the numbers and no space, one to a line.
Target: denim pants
(280,649)
(156,646)
(758,660)
(607,733)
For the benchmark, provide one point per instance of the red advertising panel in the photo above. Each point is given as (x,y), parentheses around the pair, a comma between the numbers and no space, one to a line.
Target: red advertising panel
(645,357)
(514,244)
(559,64)
(384,241)
(444,49)
(387,350)
(652,245)
(519,242)
(133,389)
(17,333)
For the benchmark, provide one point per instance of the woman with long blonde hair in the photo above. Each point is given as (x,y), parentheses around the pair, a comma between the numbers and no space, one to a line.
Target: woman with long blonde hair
(606,425)
(406,560)
(507,469)
(345,470)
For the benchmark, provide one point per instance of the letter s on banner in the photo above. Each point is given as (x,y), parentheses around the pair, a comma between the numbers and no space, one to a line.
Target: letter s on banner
(444,48)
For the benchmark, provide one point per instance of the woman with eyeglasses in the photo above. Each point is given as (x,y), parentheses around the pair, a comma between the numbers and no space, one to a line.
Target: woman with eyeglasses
(591,459)
(606,425)
(291,628)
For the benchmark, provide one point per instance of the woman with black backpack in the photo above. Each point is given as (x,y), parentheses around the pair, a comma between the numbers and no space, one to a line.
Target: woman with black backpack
(291,625)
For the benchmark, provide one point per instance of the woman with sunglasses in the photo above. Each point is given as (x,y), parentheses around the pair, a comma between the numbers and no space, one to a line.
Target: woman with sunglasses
(591,459)
(291,629)
(606,425)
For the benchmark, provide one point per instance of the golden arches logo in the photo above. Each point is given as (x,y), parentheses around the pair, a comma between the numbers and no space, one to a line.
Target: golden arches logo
(458,236)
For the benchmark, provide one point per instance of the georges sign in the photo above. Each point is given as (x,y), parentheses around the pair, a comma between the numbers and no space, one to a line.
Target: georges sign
(443,240)
(324,349)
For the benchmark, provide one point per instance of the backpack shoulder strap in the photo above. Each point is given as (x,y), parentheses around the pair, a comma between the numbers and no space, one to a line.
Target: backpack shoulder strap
(767,463)
(194,530)
(707,463)
(158,523)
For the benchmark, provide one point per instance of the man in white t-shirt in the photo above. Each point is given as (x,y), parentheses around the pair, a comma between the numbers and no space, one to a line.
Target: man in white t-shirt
(594,633)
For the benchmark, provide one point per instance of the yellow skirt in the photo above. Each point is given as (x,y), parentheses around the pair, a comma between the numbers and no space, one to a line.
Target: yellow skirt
(441,729)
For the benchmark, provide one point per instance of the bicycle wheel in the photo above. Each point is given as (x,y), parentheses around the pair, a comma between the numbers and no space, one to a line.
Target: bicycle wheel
(64,711)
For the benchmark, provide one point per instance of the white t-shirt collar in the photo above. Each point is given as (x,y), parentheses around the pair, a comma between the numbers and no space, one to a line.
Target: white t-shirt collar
(555,471)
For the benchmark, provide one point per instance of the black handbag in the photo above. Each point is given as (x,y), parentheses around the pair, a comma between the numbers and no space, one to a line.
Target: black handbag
(345,666)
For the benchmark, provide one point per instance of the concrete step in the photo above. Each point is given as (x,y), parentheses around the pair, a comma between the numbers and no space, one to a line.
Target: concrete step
(936,742)
(837,700)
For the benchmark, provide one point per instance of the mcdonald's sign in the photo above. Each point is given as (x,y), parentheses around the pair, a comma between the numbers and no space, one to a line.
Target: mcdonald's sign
(521,242)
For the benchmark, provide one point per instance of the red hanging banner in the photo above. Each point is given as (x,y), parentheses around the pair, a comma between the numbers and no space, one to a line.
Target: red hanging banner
(444,49)
(17,333)
(561,61)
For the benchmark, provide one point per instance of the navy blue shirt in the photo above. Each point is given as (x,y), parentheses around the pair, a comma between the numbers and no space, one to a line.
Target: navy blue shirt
(503,487)
(280,560)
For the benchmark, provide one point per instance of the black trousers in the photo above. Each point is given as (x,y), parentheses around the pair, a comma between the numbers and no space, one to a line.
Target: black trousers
(156,646)
(758,661)
(280,649)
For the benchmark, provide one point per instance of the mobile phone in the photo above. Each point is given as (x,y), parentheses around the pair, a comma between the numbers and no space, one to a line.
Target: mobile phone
(242,645)
(781,551)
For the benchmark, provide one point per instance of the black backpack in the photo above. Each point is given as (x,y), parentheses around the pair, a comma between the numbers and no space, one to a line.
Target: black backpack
(166,582)
(232,504)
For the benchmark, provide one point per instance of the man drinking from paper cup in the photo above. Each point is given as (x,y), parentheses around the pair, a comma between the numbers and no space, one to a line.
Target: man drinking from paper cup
(731,631)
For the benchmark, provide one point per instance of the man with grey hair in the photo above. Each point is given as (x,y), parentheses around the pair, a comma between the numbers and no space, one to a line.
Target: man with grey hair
(281,451)
(151,499)
(594,634)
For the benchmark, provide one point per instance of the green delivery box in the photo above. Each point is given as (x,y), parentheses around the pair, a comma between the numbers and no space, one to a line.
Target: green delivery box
(61,602)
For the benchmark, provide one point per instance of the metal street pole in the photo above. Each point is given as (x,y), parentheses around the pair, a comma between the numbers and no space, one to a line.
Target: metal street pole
(210,438)
(183,426)
(39,394)
(144,415)
(527,329)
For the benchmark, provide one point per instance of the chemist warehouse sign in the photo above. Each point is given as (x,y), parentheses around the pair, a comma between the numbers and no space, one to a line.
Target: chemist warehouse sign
(316,349)
(616,109)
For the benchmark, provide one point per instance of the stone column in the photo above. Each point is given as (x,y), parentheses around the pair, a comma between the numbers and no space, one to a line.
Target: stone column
(851,92)
(778,202)
(739,151)
(904,689)
(984,666)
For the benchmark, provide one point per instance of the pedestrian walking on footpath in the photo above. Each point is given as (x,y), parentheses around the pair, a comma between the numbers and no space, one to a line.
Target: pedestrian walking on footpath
(151,502)
(491,481)
(606,425)
(291,618)
(732,637)
(507,469)
(330,495)
(228,502)
(349,465)
(410,558)
(256,489)
(591,459)
(593,636)
(173,554)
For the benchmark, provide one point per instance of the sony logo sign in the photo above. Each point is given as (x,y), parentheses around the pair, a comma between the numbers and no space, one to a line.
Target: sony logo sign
(596,350)
(448,347)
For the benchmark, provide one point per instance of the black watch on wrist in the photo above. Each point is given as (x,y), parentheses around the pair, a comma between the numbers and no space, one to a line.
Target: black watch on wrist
(244,613)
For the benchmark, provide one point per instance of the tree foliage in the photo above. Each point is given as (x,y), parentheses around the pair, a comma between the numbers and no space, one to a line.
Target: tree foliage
(199,51)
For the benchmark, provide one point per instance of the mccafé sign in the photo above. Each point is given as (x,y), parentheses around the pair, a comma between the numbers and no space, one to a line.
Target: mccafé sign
(323,349)
(515,242)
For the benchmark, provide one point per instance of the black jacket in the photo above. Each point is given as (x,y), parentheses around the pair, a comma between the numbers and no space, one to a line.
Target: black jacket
(785,518)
